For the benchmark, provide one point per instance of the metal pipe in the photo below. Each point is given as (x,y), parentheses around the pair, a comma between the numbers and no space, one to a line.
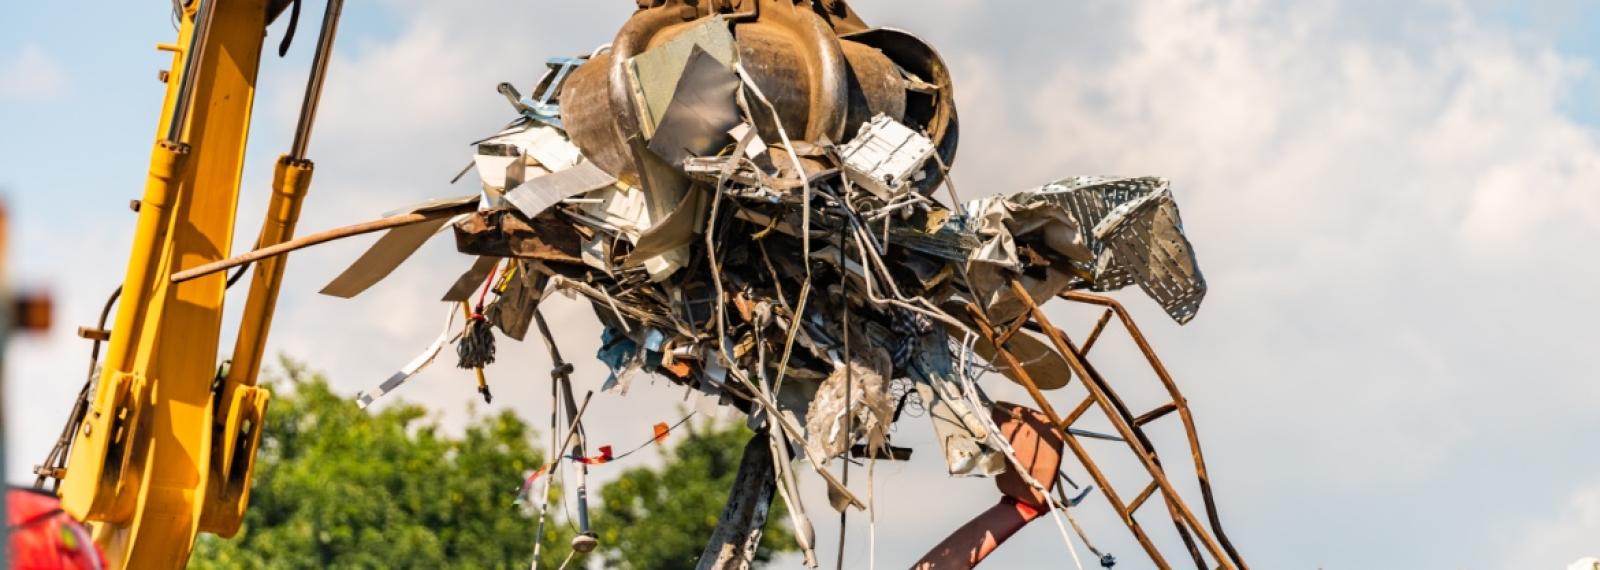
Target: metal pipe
(191,62)
(319,68)
(316,239)
(561,374)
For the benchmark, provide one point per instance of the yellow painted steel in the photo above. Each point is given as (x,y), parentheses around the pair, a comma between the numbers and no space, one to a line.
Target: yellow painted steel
(233,452)
(142,464)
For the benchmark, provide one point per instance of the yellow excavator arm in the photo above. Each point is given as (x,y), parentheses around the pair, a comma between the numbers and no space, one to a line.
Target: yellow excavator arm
(167,440)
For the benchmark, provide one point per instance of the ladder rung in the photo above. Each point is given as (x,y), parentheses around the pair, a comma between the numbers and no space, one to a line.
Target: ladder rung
(1011,331)
(1143,496)
(1155,414)
(1078,412)
(1094,335)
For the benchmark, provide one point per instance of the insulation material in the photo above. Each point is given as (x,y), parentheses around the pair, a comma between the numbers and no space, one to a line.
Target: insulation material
(864,407)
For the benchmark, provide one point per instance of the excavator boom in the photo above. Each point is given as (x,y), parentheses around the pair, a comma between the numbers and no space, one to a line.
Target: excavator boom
(166,443)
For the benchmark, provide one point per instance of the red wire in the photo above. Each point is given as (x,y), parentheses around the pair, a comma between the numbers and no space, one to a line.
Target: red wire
(478,312)
(527,483)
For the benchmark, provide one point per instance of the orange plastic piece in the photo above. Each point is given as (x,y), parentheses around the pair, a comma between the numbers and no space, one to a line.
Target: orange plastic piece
(1038,445)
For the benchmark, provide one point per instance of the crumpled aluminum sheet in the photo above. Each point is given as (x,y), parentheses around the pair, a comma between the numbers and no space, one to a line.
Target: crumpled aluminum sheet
(1137,238)
(1118,231)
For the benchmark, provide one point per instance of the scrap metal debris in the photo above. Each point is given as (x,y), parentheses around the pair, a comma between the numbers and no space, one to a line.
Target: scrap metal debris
(747,200)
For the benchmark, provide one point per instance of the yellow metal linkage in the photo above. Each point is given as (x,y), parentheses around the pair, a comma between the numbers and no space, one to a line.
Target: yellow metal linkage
(143,466)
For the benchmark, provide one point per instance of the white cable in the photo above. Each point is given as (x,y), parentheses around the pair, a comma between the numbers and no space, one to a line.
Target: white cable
(1010,453)
(366,398)
(872,513)
(799,169)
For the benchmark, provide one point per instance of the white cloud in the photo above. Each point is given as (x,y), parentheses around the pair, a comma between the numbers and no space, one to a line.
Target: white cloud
(1562,536)
(31,75)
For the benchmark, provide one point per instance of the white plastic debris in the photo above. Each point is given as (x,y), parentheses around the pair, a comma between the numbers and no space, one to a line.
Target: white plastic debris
(885,157)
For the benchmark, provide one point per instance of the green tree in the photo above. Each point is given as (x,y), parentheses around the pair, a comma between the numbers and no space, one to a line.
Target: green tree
(662,518)
(339,487)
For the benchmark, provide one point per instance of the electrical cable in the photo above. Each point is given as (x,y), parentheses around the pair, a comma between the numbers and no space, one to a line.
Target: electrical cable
(849,378)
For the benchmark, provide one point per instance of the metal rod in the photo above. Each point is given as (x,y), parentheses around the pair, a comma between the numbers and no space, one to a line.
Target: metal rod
(1083,407)
(572,430)
(319,238)
(562,373)
(578,447)
(1094,335)
(849,380)
(551,459)
(1143,496)
(191,63)
(1011,331)
(319,70)
(1155,414)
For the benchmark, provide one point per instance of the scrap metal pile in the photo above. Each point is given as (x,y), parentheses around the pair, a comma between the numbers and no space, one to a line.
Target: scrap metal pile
(749,195)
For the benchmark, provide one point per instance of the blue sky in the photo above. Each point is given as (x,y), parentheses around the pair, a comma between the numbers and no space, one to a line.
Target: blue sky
(1393,202)
(1569,28)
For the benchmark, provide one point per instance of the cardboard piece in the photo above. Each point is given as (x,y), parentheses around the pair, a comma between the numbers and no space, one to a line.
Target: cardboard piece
(512,312)
(391,250)
(1046,367)
(471,281)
